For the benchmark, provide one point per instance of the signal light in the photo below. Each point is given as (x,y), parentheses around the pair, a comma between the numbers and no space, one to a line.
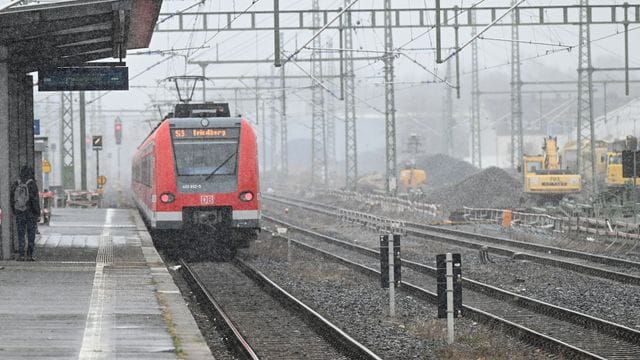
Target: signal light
(118,131)
(246,196)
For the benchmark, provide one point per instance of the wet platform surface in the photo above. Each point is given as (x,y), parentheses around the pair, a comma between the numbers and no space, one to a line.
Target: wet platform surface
(97,290)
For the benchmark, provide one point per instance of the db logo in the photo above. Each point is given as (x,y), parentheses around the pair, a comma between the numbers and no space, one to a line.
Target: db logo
(207,199)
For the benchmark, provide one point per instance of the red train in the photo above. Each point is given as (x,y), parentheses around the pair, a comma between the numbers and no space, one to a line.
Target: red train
(198,169)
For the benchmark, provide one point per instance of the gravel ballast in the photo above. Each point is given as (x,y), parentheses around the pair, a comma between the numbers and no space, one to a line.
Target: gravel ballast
(358,305)
(601,298)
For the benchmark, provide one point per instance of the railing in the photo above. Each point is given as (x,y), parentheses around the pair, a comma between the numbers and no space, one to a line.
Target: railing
(386,203)
(373,222)
(82,199)
(564,225)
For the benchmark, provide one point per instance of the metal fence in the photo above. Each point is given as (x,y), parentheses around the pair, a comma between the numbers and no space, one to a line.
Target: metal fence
(387,203)
(373,222)
(564,225)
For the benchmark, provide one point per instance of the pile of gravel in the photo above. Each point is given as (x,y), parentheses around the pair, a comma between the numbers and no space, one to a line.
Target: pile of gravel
(443,170)
(492,187)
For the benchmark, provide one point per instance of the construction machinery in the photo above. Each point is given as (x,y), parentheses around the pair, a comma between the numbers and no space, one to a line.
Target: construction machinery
(570,158)
(412,178)
(613,162)
(544,175)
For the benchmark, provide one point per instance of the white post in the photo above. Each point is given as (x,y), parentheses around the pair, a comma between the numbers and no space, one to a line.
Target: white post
(449,299)
(392,281)
(289,250)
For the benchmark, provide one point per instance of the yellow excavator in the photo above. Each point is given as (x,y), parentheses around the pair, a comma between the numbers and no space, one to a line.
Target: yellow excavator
(544,175)
(613,160)
(412,178)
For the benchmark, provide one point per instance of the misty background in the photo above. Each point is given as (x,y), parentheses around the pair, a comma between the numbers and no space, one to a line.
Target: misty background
(547,110)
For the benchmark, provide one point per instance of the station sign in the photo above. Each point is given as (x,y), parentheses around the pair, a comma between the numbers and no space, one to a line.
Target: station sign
(84,78)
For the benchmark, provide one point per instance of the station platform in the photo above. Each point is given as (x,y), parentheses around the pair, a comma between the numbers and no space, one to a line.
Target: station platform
(97,290)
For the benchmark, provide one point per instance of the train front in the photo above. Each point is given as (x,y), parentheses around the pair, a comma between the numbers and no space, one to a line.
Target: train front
(216,173)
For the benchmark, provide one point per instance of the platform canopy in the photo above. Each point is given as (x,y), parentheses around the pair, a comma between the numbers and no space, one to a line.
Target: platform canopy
(71,33)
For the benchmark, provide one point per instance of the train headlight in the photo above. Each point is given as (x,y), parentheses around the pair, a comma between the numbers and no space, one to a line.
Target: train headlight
(574,180)
(533,181)
(167,197)
(246,196)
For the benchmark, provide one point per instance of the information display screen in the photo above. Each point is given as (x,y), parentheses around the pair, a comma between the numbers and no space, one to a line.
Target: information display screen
(205,133)
(84,79)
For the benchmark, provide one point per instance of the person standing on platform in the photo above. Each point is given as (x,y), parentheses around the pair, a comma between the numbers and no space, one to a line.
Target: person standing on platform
(26,208)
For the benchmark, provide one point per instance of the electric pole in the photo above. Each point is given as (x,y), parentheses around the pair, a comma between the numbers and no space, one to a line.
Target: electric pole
(517,131)
(476,149)
(351,148)
(390,111)
(284,137)
(318,128)
(330,121)
(585,131)
(448,114)
(66,141)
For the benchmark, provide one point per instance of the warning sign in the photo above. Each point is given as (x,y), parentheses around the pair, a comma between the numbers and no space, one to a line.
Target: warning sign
(102,180)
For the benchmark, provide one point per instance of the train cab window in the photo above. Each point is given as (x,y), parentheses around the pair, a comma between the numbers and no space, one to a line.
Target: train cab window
(208,157)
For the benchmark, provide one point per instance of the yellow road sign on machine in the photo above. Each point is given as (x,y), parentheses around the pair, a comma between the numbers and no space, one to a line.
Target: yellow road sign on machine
(46,166)
(102,180)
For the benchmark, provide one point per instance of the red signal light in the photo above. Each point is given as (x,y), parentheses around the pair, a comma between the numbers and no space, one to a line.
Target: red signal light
(118,132)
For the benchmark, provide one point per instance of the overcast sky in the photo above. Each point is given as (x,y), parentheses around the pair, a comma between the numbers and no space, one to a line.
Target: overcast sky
(147,71)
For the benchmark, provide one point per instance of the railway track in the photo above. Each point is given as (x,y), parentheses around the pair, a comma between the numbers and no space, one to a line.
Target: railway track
(558,329)
(262,321)
(624,271)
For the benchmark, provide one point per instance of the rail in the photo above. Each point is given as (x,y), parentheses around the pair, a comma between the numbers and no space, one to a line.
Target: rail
(337,338)
(233,335)
(386,203)
(470,240)
(501,317)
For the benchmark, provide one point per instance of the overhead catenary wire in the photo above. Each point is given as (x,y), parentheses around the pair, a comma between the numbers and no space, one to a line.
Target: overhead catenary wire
(253,3)
(180,12)
(530,42)
(322,29)
(484,29)
(428,30)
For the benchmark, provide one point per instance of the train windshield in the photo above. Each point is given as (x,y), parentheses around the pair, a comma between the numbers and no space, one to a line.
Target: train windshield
(208,157)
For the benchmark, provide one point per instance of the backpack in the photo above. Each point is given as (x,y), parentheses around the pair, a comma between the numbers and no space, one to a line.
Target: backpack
(21,196)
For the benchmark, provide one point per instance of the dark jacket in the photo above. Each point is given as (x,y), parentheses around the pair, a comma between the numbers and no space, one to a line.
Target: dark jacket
(33,211)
